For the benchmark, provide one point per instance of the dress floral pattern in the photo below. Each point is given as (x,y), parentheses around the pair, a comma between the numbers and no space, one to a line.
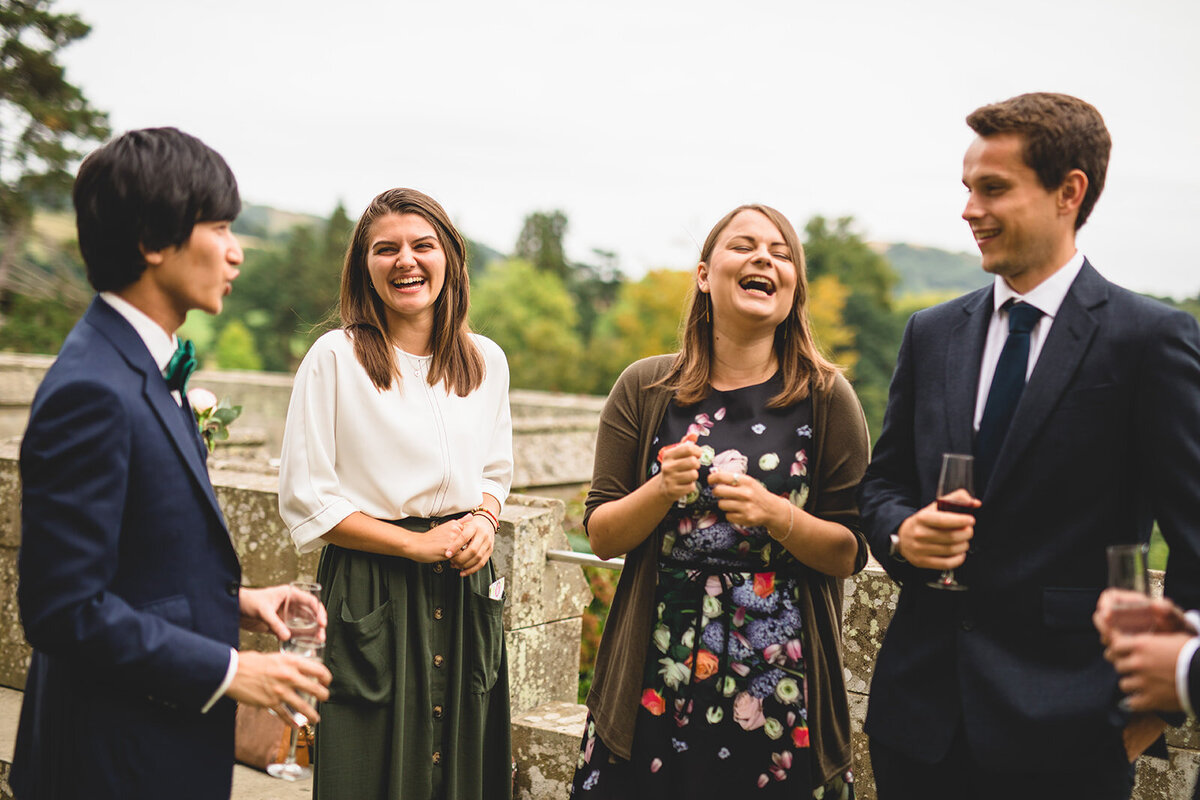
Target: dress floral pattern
(724,701)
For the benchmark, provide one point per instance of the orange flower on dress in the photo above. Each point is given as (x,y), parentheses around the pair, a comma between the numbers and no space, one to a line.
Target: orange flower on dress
(706,665)
(654,702)
(800,737)
(764,583)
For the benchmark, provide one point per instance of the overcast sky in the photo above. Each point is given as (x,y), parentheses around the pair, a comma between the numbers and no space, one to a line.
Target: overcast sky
(645,121)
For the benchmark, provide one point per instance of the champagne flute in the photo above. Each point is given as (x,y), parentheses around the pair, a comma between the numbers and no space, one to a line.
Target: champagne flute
(305,647)
(958,472)
(300,614)
(1128,570)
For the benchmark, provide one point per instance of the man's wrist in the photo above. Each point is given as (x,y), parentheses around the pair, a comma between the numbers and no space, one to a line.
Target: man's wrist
(894,548)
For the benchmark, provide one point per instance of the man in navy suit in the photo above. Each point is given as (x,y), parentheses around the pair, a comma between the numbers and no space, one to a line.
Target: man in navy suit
(1081,404)
(130,588)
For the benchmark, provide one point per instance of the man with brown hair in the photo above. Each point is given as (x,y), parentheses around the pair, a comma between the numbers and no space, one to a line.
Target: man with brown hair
(1080,402)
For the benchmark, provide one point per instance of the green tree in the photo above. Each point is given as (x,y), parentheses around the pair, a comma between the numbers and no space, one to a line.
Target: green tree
(643,321)
(533,318)
(837,250)
(287,294)
(45,121)
(235,348)
(541,242)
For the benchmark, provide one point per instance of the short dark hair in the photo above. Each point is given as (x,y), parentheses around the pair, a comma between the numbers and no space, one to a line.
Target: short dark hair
(1061,133)
(146,189)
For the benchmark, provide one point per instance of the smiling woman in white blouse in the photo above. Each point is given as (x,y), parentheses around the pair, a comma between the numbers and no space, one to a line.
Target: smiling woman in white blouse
(397,457)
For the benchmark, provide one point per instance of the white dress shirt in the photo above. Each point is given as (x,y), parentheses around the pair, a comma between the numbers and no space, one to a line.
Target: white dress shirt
(1184,664)
(1046,297)
(162,347)
(413,450)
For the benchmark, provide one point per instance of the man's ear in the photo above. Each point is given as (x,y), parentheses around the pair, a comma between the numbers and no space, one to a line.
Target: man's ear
(152,257)
(1071,191)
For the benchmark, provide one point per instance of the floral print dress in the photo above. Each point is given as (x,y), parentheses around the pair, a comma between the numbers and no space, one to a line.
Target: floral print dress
(724,701)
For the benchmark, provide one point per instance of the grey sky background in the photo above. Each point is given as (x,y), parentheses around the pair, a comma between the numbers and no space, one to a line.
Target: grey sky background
(646,121)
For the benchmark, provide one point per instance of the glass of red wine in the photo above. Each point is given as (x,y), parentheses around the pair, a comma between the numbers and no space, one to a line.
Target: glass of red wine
(958,472)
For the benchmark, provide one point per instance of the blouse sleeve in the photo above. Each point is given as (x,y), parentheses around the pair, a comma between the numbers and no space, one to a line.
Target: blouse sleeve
(310,497)
(498,461)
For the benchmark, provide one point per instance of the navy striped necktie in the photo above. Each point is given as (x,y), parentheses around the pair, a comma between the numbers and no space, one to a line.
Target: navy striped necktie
(1008,383)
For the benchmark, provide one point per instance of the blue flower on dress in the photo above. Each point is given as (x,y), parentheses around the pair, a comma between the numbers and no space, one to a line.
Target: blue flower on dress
(763,633)
(745,596)
(805,430)
(758,428)
(678,745)
(723,753)
(762,686)
(713,539)
(713,637)
(590,782)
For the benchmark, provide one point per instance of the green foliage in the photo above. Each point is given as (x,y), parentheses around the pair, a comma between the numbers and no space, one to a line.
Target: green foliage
(287,293)
(541,242)
(930,270)
(532,316)
(44,119)
(235,348)
(838,251)
(643,321)
(36,325)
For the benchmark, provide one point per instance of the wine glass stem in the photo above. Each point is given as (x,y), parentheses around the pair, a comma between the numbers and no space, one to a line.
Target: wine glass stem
(291,756)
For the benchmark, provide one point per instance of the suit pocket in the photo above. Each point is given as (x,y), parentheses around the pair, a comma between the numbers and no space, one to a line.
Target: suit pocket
(1070,609)
(485,636)
(1089,396)
(360,654)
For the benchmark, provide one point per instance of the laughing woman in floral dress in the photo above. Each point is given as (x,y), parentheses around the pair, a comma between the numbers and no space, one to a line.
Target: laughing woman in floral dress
(727,474)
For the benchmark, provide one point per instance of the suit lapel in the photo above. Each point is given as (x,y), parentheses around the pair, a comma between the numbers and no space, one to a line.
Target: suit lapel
(184,436)
(1070,336)
(963,354)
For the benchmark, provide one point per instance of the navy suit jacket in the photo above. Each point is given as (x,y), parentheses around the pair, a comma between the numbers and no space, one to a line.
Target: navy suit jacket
(128,583)
(1106,439)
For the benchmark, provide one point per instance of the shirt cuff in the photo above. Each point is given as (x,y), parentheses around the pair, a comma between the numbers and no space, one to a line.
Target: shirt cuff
(229,673)
(1182,667)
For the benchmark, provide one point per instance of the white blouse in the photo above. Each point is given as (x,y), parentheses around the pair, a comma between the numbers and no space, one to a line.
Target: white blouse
(414,450)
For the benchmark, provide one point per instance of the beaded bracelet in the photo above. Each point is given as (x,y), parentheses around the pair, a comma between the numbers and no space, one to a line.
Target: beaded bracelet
(489,515)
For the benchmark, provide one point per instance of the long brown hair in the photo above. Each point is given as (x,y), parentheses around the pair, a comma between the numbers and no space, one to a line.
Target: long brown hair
(456,359)
(802,365)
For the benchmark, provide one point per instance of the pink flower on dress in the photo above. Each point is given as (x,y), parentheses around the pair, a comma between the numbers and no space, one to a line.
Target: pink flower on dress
(712,586)
(793,650)
(656,765)
(707,521)
(747,711)
(719,414)
(653,702)
(730,461)
(800,466)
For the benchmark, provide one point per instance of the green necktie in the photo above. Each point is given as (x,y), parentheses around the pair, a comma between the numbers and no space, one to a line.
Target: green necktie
(181,367)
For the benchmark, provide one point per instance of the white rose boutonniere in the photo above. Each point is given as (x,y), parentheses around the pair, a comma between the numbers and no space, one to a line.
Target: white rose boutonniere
(212,417)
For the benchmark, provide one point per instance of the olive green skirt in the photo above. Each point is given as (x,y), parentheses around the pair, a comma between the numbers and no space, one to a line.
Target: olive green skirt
(418,705)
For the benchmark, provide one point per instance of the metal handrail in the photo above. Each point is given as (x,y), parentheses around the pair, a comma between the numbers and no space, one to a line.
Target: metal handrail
(584,559)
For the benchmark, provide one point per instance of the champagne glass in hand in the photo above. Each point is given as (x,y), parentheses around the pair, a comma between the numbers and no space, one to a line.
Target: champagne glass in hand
(958,472)
(288,770)
(1127,570)
(300,610)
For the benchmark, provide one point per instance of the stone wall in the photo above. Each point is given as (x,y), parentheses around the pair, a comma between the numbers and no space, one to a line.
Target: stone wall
(554,434)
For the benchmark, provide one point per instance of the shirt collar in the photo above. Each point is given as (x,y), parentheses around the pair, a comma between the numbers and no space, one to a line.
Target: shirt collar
(1048,295)
(160,344)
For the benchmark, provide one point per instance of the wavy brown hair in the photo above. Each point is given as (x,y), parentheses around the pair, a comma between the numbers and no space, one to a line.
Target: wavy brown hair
(456,359)
(802,365)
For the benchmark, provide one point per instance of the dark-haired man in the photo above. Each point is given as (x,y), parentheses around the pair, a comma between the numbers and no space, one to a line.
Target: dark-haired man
(1081,404)
(130,587)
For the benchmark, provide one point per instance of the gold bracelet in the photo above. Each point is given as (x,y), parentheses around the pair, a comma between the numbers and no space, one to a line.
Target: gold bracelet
(791,520)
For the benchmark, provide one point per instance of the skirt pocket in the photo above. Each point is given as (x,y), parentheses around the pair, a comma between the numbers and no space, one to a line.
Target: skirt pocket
(360,654)
(485,632)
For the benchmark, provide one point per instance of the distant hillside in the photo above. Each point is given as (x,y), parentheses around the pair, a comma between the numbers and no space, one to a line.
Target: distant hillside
(930,270)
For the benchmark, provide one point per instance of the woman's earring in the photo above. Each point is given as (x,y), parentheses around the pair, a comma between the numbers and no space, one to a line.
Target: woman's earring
(707,301)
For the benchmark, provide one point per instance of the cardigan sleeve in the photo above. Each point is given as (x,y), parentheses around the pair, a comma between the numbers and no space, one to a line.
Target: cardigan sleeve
(618,441)
(844,455)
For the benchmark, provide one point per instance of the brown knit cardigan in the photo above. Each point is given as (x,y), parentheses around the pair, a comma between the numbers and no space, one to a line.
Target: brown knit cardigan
(631,417)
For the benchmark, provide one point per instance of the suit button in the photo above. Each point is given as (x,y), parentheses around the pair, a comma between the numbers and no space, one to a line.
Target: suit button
(438,661)
(233,587)
(968,624)
(437,712)
(437,757)
(438,613)
(438,568)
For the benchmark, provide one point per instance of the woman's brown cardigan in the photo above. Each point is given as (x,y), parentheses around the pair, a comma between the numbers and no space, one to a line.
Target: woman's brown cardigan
(631,417)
